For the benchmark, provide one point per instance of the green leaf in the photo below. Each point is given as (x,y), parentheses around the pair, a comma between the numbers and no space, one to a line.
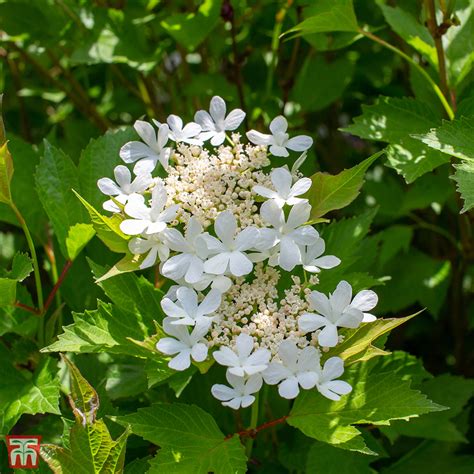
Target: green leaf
(6,173)
(378,396)
(330,192)
(92,451)
(98,160)
(455,138)
(395,120)
(22,266)
(411,30)
(132,293)
(189,438)
(449,390)
(319,83)
(464,177)
(328,15)
(83,397)
(56,177)
(423,458)
(127,264)
(7,291)
(330,460)
(26,393)
(107,329)
(191,29)
(25,160)
(358,343)
(77,238)
(107,228)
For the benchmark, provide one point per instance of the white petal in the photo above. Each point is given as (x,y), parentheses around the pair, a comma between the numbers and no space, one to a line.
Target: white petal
(288,352)
(281,179)
(289,388)
(300,187)
(150,259)
(234,119)
(218,264)
(108,187)
(244,344)
(246,239)
(225,227)
(258,138)
(170,346)
(339,386)
(290,255)
(253,384)
(265,192)
(133,226)
(175,123)
(199,352)
(133,151)
(341,298)
(275,373)
(299,143)
(222,392)
(175,240)
(122,176)
(218,139)
(369,318)
(171,309)
(247,400)
(277,150)
(365,300)
(305,235)
(146,132)
(195,270)
(239,264)
(163,133)
(299,214)
(278,125)
(226,356)
(259,359)
(309,322)
(308,360)
(328,336)
(182,361)
(189,300)
(351,318)
(176,267)
(205,121)
(272,214)
(307,380)
(145,165)
(217,109)
(235,403)
(191,129)
(333,368)
(155,228)
(328,261)
(210,303)
(320,303)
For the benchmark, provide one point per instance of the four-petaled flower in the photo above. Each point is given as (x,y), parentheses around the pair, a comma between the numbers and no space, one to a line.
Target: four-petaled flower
(123,188)
(337,311)
(242,361)
(187,134)
(185,344)
(326,383)
(241,390)
(289,234)
(296,368)
(214,123)
(228,252)
(312,259)
(153,244)
(148,220)
(147,154)
(186,310)
(279,141)
(285,192)
(189,263)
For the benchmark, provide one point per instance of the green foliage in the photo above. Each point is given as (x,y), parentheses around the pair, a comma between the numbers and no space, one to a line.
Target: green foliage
(189,438)
(330,192)
(383,396)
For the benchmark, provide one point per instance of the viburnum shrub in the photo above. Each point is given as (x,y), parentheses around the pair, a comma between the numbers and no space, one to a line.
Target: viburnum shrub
(226,229)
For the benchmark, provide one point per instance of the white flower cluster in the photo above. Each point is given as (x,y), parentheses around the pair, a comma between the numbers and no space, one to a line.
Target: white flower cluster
(225,232)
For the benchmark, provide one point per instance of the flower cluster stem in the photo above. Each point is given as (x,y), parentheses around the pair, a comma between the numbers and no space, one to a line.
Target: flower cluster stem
(253,426)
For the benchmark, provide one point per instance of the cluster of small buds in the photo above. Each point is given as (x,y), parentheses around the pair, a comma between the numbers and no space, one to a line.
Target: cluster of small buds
(226,231)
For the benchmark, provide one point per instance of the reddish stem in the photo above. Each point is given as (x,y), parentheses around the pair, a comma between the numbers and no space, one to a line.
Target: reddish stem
(56,287)
(253,432)
(26,308)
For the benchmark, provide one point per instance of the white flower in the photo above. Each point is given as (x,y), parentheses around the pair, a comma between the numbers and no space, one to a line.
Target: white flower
(242,361)
(184,344)
(147,154)
(337,311)
(217,282)
(178,133)
(279,140)
(151,244)
(187,311)
(297,368)
(148,220)
(215,123)
(285,192)
(240,394)
(123,188)
(229,250)
(313,261)
(326,385)
(289,234)
(188,264)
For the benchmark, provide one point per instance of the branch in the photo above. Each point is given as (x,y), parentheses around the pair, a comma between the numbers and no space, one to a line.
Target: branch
(34,311)
(61,278)
(252,432)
